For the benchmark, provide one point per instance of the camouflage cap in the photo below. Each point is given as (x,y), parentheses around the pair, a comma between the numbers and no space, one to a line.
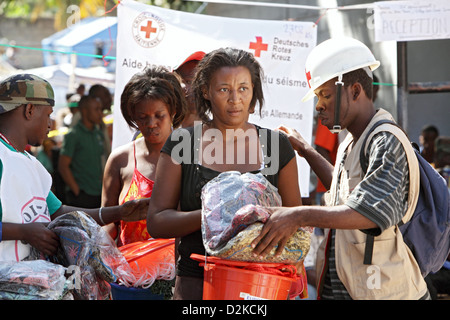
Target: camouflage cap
(23,89)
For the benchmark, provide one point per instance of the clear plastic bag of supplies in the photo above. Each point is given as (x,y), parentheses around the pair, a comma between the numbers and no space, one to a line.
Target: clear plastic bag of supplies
(31,280)
(233,214)
(86,246)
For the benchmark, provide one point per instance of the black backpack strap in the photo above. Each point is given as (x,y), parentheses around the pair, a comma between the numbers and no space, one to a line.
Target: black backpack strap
(362,155)
(368,250)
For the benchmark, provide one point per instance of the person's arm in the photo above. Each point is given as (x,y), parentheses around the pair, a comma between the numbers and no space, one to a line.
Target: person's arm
(112,187)
(35,234)
(364,210)
(66,154)
(324,153)
(163,219)
(284,222)
(39,236)
(288,186)
(321,166)
(133,210)
(64,169)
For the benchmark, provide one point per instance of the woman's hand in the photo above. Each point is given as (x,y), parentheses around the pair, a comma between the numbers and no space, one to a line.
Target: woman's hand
(134,210)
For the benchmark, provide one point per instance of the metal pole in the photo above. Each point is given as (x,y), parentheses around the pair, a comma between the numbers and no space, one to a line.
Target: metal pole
(402,86)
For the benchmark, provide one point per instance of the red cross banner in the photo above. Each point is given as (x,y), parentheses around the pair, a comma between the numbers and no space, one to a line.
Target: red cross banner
(149,35)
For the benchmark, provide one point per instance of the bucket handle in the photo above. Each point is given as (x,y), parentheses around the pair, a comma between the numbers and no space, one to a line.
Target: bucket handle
(210,266)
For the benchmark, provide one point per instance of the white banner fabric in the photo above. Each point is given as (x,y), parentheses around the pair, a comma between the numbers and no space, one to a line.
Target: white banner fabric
(149,35)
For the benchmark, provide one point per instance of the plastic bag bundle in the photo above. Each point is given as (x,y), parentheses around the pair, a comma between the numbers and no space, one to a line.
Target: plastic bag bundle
(150,260)
(84,244)
(91,286)
(233,214)
(31,280)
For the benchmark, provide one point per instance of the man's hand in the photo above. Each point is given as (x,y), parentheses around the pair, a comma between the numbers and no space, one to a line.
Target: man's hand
(295,138)
(135,210)
(321,166)
(40,237)
(276,231)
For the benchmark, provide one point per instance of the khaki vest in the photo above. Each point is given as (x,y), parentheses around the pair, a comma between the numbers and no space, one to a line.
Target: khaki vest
(394,273)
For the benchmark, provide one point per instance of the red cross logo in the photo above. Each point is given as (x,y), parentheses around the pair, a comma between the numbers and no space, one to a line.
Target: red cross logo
(258,46)
(308,77)
(148,29)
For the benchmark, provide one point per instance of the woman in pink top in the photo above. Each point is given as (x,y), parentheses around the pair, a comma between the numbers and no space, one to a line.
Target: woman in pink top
(152,102)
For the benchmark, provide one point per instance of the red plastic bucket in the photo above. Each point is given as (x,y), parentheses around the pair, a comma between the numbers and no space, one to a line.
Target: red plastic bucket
(230,280)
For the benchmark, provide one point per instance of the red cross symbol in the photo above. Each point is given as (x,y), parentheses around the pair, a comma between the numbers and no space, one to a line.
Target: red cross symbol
(308,77)
(258,46)
(148,29)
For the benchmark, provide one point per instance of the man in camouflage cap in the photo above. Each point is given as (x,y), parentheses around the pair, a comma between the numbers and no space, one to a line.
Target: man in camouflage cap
(26,200)
(23,89)
(26,103)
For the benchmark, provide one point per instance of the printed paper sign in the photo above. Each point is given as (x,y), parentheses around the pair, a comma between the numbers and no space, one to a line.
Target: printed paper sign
(412,20)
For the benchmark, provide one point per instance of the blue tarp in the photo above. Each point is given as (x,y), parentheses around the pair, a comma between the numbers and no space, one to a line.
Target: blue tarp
(83,37)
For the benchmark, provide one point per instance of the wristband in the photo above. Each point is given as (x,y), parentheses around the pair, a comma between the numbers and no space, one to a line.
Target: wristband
(100,216)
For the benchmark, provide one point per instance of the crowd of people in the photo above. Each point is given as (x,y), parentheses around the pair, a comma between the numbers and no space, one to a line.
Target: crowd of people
(151,186)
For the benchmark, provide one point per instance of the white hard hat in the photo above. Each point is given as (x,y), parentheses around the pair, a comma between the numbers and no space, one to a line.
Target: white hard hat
(335,57)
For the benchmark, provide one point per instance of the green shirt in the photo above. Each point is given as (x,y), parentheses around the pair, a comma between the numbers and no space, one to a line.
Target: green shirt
(85,148)
(53,202)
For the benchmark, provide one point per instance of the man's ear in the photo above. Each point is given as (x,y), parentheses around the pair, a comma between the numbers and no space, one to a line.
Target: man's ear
(356,90)
(29,110)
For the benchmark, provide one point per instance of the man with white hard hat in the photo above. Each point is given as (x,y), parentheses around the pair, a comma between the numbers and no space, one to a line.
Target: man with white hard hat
(360,205)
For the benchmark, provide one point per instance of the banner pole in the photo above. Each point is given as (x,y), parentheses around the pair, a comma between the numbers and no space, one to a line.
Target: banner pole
(287,5)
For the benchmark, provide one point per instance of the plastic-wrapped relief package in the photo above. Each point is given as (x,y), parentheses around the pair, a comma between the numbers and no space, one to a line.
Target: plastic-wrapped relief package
(84,242)
(233,214)
(86,246)
(31,280)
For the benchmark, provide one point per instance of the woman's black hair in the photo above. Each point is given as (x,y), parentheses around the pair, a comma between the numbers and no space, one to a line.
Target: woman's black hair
(226,57)
(154,83)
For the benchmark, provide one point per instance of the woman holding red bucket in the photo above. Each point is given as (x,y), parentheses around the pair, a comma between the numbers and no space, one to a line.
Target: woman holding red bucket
(227,86)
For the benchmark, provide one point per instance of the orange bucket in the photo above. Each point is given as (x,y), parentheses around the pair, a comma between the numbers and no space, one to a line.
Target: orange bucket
(230,280)
(148,260)
(149,254)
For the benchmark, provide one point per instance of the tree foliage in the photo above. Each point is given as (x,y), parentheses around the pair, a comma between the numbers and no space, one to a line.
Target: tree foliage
(62,10)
